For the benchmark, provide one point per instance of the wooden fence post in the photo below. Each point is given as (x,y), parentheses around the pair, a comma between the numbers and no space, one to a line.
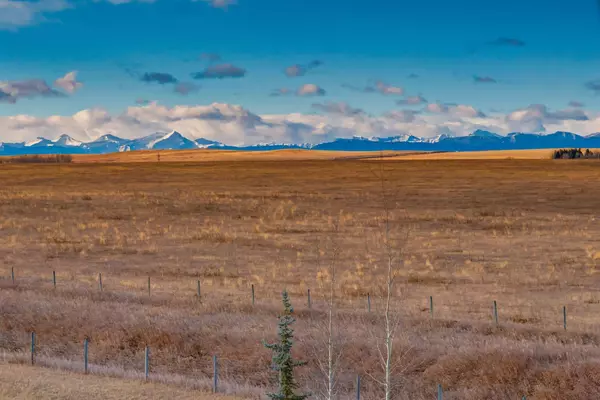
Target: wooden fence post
(54,278)
(12,274)
(496,312)
(565,317)
(369,302)
(309,302)
(431,306)
(148,286)
(253,298)
(198,291)
(100,281)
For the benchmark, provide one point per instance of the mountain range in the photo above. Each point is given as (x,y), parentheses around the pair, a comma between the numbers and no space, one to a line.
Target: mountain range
(477,141)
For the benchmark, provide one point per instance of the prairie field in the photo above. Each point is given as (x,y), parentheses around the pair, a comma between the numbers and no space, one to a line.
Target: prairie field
(31,383)
(230,155)
(523,233)
(538,154)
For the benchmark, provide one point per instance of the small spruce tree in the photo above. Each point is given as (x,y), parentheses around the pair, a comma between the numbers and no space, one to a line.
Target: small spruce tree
(283,362)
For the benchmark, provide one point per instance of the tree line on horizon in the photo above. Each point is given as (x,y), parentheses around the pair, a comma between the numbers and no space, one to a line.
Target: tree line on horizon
(572,154)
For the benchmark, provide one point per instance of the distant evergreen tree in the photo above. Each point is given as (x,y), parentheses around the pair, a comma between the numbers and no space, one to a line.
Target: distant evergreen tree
(573,154)
(283,362)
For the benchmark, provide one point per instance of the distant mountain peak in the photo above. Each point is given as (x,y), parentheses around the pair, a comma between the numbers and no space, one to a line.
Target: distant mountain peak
(39,141)
(485,134)
(109,138)
(479,140)
(66,140)
(171,140)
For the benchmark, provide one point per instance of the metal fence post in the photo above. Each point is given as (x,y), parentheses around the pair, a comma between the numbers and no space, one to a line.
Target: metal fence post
(369,302)
(54,279)
(215,374)
(440,394)
(85,355)
(12,274)
(147,362)
(358,387)
(32,348)
(565,317)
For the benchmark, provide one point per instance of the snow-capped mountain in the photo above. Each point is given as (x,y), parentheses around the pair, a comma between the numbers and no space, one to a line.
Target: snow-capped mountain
(173,140)
(39,142)
(66,140)
(478,140)
(160,141)
(106,144)
(206,144)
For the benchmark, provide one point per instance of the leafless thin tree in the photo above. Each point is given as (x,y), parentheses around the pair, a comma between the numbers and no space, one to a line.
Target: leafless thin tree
(394,240)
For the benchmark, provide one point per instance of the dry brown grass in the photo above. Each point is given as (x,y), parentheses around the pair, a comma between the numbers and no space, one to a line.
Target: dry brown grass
(30,383)
(523,233)
(538,154)
(227,155)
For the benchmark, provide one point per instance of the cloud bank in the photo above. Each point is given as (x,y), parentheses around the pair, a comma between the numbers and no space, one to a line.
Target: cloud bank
(15,14)
(235,125)
(13,91)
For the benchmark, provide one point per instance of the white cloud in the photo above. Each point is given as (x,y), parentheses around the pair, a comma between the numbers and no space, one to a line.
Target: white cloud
(12,91)
(337,108)
(537,118)
(402,115)
(69,82)
(436,108)
(310,89)
(384,88)
(235,125)
(14,14)
(454,110)
(19,13)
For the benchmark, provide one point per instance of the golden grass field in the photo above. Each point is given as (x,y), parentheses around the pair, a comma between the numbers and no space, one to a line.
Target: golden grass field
(31,383)
(306,155)
(227,155)
(522,232)
(541,154)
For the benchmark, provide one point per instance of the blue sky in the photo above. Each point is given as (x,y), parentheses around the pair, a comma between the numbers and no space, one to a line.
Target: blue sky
(359,43)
